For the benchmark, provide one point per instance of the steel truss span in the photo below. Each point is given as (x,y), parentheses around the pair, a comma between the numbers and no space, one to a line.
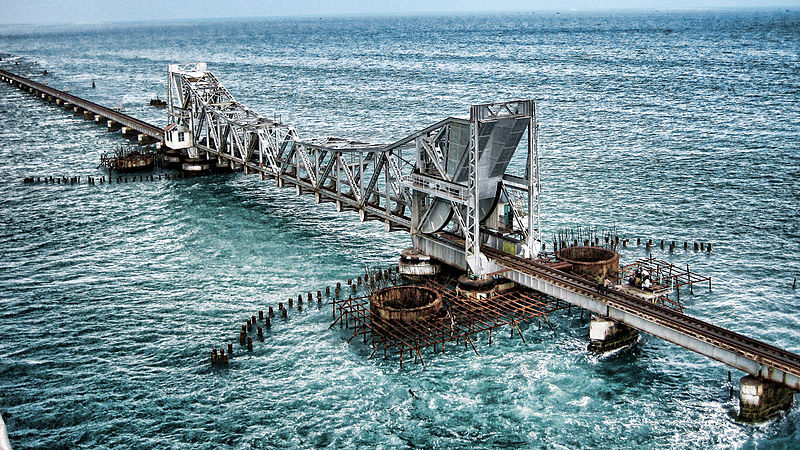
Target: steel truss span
(449,186)
(450,175)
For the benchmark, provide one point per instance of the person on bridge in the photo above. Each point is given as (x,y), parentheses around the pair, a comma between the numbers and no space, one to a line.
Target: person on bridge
(608,285)
(602,284)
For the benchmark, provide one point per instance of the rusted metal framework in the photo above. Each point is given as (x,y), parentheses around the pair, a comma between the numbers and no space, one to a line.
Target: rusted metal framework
(459,323)
(449,176)
(666,275)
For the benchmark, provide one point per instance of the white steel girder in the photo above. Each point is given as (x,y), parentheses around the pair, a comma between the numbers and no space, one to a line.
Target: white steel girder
(456,169)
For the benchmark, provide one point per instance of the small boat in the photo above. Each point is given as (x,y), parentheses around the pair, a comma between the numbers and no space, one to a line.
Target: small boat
(128,159)
(158,103)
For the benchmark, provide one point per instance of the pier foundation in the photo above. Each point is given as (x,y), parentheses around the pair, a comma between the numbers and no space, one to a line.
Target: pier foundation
(761,400)
(415,264)
(607,335)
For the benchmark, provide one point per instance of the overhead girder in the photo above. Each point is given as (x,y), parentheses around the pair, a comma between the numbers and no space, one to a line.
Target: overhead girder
(449,175)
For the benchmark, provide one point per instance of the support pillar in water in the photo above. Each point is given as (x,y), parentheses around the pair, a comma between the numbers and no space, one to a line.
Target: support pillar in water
(761,400)
(415,264)
(607,335)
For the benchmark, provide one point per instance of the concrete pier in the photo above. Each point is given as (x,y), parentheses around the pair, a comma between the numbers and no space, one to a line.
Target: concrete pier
(414,263)
(607,335)
(761,400)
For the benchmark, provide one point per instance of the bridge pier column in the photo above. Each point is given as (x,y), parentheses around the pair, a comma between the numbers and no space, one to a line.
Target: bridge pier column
(761,400)
(606,335)
(112,126)
(415,264)
(128,132)
(145,139)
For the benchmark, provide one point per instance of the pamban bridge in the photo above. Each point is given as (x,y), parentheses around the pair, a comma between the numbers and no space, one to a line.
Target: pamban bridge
(449,185)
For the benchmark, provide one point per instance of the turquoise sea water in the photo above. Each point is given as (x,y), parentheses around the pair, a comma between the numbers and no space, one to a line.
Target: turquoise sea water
(668,125)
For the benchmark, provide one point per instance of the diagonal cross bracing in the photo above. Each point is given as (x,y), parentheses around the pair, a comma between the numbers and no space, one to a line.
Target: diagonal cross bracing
(455,167)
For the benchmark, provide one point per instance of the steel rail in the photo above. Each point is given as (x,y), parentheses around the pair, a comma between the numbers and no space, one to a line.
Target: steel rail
(751,348)
(123,119)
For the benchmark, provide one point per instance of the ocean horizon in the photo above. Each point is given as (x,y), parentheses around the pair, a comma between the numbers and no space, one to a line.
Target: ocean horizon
(665,125)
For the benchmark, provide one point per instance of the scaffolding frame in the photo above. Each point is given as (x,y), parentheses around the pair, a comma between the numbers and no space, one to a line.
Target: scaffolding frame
(462,319)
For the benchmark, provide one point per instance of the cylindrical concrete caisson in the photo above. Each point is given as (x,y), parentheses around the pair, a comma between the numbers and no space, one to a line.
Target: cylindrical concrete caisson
(591,262)
(404,303)
(415,264)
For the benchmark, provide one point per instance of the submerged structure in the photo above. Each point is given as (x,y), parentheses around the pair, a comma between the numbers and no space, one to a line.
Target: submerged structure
(449,186)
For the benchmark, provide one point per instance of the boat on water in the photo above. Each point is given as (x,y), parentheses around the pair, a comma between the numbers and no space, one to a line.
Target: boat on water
(128,159)
(158,103)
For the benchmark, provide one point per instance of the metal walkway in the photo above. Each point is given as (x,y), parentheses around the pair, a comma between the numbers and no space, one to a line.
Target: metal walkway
(446,184)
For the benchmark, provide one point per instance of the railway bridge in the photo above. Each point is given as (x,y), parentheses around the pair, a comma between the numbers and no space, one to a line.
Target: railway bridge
(453,187)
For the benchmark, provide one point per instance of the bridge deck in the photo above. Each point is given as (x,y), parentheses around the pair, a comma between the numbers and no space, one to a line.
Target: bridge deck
(108,113)
(744,353)
(736,350)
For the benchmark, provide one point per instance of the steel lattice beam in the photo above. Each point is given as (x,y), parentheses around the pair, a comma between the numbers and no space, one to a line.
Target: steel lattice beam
(450,175)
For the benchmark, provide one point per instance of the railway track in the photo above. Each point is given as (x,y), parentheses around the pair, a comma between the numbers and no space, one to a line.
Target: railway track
(119,117)
(750,348)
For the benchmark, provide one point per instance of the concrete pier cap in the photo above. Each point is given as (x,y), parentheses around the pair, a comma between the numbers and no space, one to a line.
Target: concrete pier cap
(606,335)
(476,287)
(761,400)
(415,264)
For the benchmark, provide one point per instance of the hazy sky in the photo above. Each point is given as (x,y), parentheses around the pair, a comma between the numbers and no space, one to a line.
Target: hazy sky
(93,11)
